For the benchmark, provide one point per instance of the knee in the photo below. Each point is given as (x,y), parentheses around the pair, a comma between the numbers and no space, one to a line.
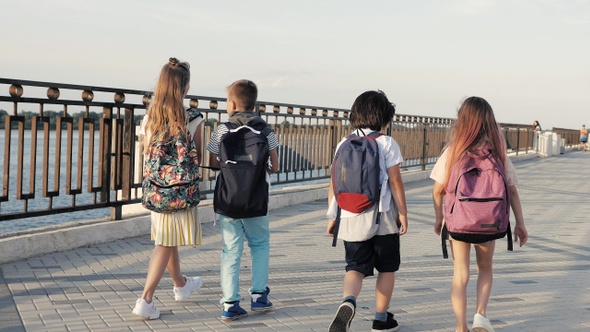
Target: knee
(484,267)
(233,249)
(461,277)
(260,247)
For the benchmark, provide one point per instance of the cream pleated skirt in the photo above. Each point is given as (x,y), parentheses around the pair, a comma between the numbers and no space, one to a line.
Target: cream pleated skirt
(181,228)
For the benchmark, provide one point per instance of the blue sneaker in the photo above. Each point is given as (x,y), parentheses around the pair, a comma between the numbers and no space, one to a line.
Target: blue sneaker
(260,302)
(232,311)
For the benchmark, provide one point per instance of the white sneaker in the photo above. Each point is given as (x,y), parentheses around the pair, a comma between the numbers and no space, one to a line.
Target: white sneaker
(481,324)
(191,285)
(146,310)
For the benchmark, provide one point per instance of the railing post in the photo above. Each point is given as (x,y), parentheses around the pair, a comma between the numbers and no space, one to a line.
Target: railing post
(128,154)
(424,146)
(104,162)
(517,140)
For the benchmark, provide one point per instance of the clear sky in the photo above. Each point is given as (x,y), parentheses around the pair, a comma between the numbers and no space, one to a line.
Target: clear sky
(529,58)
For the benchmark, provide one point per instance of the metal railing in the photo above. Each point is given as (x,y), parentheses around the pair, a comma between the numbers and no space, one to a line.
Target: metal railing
(571,136)
(79,142)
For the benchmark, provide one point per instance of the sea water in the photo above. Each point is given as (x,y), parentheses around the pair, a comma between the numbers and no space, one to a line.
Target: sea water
(39,202)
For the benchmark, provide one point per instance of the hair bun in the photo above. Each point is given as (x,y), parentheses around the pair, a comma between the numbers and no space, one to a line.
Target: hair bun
(173,61)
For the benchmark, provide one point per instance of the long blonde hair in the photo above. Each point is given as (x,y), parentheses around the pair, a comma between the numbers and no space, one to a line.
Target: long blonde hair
(167,115)
(475,128)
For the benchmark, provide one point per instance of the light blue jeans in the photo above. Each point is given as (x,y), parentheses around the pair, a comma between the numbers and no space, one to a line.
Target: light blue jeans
(233,231)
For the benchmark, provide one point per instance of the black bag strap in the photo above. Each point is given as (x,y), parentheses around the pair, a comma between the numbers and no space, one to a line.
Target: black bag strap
(444,236)
(509,237)
(336,228)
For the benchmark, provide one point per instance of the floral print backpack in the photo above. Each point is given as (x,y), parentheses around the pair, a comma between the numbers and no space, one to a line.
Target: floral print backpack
(171,173)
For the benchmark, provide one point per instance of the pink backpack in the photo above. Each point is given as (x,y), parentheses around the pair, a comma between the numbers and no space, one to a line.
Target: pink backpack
(477,202)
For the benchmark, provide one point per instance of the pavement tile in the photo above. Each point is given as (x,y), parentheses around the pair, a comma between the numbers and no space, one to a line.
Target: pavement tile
(542,286)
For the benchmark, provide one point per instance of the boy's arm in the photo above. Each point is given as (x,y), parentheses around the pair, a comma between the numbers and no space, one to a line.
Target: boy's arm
(331,223)
(274,162)
(399,195)
(213,162)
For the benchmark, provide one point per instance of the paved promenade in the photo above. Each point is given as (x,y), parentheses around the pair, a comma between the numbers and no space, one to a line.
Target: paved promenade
(544,286)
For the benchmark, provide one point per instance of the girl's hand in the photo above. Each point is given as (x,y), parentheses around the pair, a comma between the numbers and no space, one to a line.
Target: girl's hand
(520,233)
(438,226)
(331,227)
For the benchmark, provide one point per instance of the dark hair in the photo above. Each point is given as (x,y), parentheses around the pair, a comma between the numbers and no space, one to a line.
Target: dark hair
(244,93)
(371,110)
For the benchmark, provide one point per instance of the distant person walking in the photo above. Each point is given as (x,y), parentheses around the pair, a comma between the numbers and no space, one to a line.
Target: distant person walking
(475,133)
(378,249)
(537,130)
(583,138)
(166,120)
(245,151)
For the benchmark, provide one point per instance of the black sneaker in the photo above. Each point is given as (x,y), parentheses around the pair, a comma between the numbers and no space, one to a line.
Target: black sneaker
(390,325)
(343,318)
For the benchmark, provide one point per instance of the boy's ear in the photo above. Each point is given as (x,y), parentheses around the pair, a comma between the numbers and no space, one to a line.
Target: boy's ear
(231,105)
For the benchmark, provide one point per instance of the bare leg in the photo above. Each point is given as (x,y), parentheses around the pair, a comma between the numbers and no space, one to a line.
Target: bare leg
(384,290)
(174,268)
(460,281)
(353,283)
(484,254)
(158,262)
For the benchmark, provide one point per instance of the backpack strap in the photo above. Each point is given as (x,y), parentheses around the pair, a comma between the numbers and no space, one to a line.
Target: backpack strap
(193,113)
(509,237)
(372,135)
(444,236)
(336,227)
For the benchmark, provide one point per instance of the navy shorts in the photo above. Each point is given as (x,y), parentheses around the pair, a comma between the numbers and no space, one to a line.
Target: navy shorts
(381,252)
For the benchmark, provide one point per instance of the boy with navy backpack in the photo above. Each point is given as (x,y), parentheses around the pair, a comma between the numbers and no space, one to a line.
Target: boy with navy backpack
(245,151)
(370,226)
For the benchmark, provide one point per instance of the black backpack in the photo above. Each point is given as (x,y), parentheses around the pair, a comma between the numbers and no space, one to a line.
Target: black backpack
(241,189)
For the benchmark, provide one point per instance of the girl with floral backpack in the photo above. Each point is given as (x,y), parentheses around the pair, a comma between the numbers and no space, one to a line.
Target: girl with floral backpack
(172,145)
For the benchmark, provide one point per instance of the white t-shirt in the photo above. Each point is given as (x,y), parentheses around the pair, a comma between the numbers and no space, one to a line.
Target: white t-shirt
(439,172)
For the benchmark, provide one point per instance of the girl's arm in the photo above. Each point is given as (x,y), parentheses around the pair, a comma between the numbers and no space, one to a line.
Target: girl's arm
(198,139)
(520,232)
(437,200)
(399,196)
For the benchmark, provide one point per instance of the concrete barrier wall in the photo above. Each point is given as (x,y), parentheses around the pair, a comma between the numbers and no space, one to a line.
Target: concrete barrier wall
(136,222)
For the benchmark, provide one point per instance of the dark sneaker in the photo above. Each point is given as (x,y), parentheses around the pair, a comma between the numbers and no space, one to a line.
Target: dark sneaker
(390,325)
(260,302)
(343,318)
(232,311)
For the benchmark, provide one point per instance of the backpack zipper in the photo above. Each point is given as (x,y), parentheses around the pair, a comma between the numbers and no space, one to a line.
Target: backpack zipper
(180,184)
(471,199)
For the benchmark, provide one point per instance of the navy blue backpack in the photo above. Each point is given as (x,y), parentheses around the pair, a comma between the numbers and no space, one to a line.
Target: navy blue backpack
(355,175)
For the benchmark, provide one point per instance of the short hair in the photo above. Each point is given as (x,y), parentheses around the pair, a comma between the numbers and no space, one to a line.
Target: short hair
(244,93)
(373,110)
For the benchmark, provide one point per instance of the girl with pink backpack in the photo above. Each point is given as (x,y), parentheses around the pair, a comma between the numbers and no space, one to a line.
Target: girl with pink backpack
(475,132)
